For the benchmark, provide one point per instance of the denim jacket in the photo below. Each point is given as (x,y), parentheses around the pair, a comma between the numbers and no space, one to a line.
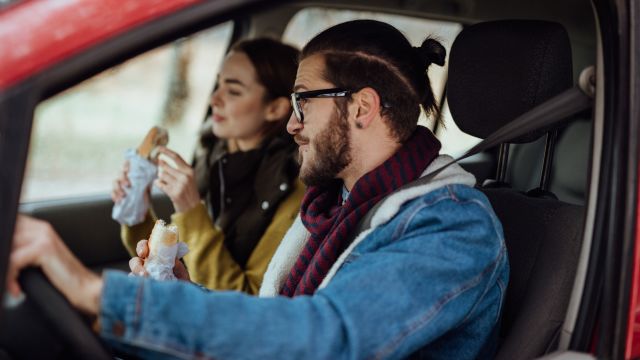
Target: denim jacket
(427,280)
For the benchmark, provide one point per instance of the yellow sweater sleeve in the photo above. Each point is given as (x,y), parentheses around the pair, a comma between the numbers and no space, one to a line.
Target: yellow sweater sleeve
(210,263)
(130,235)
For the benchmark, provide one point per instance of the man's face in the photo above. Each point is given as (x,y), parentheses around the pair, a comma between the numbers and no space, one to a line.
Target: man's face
(324,137)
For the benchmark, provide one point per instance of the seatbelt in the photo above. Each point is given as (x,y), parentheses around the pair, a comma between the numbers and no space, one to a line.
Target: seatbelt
(550,112)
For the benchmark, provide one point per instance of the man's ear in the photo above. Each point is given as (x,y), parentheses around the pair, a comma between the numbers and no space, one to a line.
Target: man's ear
(366,106)
(277,109)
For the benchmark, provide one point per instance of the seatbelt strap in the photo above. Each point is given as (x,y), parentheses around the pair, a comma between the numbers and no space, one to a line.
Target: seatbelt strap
(550,112)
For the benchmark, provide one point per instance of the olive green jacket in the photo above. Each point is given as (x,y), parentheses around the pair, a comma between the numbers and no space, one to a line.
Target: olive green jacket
(209,262)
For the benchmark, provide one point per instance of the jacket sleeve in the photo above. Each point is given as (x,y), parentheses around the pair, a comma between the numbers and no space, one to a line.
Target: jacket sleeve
(210,263)
(130,235)
(386,302)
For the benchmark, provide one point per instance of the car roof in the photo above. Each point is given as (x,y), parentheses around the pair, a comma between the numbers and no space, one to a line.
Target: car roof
(71,26)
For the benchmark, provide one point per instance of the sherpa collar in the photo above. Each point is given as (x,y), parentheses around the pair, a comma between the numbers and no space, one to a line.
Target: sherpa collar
(297,235)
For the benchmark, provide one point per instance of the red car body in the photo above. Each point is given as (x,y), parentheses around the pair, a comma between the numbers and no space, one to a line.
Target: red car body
(38,37)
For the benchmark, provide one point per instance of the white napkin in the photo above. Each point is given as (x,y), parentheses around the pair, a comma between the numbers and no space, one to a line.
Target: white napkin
(132,209)
(160,265)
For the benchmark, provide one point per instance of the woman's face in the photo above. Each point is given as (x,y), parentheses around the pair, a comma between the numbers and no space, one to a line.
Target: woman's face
(238,103)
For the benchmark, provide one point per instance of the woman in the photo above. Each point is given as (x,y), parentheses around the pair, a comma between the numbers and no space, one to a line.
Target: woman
(234,207)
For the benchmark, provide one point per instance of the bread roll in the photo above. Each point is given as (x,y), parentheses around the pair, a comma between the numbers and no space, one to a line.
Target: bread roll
(161,237)
(156,136)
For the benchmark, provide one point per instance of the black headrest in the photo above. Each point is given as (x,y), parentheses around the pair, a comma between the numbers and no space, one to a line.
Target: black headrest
(498,70)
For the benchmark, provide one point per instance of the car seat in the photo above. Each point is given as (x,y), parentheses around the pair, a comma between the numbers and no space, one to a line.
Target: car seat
(497,71)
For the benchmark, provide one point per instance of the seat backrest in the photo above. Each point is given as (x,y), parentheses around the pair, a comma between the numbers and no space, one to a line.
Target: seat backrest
(543,239)
(570,165)
(497,71)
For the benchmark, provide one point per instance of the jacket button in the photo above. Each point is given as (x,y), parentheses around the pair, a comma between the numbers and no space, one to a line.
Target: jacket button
(228,200)
(224,160)
(284,187)
(265,205)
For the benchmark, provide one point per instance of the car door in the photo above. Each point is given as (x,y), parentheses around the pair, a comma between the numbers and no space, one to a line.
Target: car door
(79,138)
(73,134)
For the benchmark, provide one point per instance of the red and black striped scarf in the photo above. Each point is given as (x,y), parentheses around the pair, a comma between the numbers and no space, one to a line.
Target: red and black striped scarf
(331,223)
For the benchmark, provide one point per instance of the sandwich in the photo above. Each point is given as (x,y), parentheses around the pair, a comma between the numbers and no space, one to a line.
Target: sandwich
(156,136)
(162,237)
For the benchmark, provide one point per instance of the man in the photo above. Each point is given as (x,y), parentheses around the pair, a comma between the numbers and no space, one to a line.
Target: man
(427,278)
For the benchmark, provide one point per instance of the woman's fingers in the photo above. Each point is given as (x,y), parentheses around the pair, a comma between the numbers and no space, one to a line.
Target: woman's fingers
(177,159)
(181,179)
(179,184)
(123,179)
(117,193)
(124,176)
(122,182)
(170,170)
(167,182)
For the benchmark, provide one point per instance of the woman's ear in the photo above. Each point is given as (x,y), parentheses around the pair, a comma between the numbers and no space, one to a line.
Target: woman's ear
(277,109)
(366,107)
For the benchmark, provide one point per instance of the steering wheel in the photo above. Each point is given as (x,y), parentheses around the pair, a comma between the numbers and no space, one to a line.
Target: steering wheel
(62,317)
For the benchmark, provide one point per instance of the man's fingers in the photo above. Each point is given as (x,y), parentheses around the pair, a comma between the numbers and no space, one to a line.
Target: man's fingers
(180,271)
(137,267)
(13,287)
(23,231)
(23,256)
(20,258)
(22,223)
(142,249)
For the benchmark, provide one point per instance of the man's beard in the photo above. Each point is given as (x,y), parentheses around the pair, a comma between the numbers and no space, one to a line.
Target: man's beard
(332,149)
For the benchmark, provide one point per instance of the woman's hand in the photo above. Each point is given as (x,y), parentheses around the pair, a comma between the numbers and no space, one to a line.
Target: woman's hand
(178,183)
(35,243)
(136,264)
(119,184)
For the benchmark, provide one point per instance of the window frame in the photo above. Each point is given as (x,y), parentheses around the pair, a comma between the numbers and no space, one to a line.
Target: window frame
(19,100)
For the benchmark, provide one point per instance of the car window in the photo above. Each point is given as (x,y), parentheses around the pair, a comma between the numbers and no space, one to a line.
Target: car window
(310,21)
(79,137)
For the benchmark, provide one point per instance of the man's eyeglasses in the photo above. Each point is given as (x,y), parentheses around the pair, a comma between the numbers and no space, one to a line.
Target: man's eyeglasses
(297,97)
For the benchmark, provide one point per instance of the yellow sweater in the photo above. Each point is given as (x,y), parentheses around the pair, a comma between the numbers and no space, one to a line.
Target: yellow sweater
(209,262)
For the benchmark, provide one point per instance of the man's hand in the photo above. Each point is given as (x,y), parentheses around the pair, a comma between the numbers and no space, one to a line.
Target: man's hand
(178,183)
(35,243)
(136,264)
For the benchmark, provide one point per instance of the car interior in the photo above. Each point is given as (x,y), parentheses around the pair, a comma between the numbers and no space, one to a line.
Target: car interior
(541,232)
(508,57)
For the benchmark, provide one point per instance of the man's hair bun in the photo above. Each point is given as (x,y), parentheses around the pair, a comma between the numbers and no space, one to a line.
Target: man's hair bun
(431,52)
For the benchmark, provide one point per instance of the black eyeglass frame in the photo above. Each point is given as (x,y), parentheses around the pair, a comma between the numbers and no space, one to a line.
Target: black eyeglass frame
(322,93)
